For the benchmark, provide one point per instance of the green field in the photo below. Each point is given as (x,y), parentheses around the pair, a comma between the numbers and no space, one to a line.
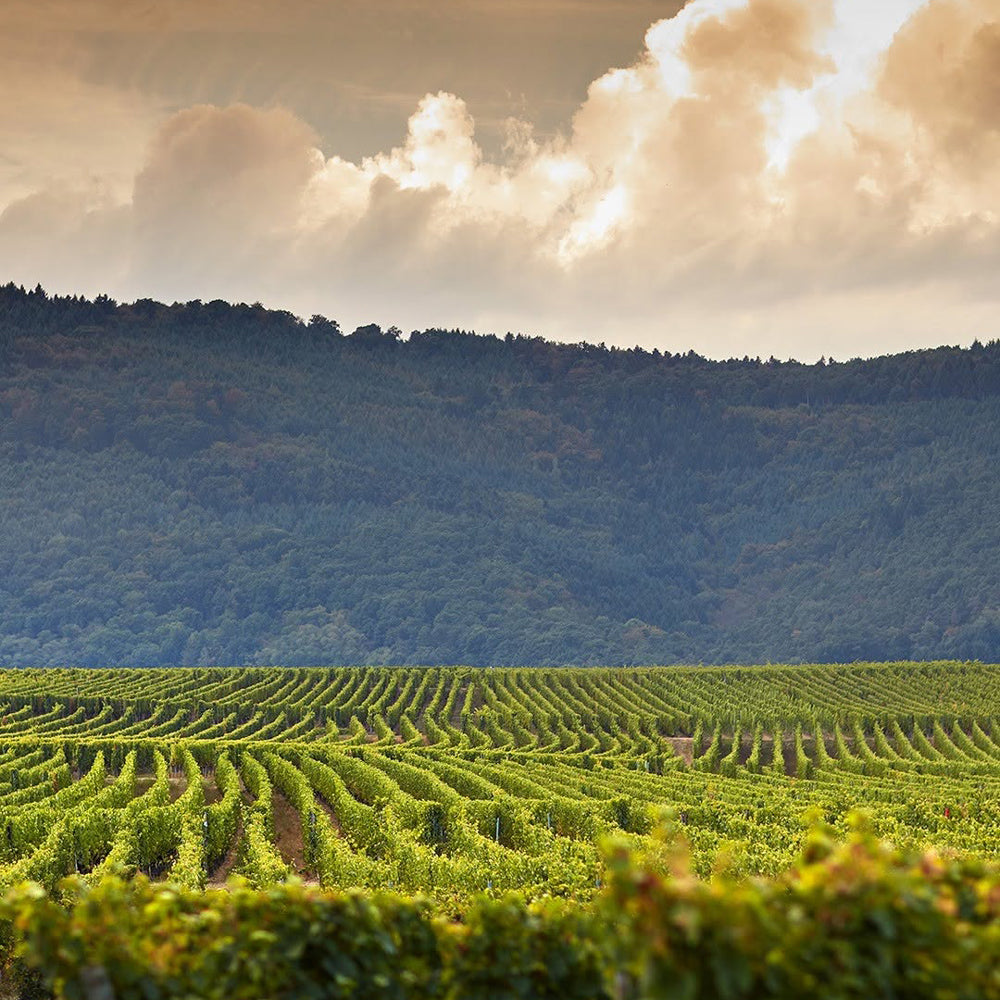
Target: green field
(451,781)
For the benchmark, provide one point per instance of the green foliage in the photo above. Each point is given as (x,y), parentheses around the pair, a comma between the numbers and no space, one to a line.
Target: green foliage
(133,939)
(851,920)
(204,483)
(563,757)
(506,951)
(168,772)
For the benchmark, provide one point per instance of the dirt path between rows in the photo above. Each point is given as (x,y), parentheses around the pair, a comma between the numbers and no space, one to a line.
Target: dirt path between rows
(683,747)
(288,834)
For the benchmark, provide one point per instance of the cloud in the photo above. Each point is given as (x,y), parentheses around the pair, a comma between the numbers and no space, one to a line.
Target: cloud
(770,176)
(943,71)
(71,237)
(59,128)
(220,194)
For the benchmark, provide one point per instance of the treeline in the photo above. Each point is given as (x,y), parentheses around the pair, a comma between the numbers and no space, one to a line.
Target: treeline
(852,921)
(940,373)
(209,483)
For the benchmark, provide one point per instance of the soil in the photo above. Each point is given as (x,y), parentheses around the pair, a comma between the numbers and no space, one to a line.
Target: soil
(177,782)
(683,747)
(212,793)
(288,834)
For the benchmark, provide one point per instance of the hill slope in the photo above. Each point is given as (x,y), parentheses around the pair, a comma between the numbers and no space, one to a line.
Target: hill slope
(206,483)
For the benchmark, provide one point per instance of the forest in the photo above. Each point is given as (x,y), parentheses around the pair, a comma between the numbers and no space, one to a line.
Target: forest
(204,483)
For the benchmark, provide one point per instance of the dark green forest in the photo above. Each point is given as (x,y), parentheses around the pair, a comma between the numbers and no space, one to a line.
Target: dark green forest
(206,483)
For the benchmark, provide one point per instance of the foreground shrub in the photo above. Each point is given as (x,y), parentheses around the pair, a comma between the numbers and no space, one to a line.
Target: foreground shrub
(134,939)
(855,920)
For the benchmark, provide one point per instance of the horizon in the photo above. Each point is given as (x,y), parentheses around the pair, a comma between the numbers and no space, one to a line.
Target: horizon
(405,337)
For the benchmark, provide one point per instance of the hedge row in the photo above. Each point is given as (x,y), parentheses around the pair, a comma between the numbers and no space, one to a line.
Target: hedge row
(851,920)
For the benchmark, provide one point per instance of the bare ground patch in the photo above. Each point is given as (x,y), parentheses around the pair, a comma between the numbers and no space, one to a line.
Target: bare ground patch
(683,747)
(288,834)
(212,792)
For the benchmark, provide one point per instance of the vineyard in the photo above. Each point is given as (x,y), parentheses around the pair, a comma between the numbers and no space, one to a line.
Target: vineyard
(452,782)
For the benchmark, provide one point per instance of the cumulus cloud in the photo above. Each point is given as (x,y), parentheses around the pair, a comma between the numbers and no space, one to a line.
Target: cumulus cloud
(943,71)
(794,177)
(220,194)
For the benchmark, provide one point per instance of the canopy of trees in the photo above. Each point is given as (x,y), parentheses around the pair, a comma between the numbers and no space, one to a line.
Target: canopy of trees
(205,483)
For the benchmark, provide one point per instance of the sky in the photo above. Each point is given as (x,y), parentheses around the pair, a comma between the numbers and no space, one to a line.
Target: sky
(796,178)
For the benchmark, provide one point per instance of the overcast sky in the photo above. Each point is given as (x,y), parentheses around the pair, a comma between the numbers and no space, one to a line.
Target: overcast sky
(788,177)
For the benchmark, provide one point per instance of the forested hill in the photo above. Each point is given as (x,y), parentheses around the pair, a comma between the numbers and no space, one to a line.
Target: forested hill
(216,484)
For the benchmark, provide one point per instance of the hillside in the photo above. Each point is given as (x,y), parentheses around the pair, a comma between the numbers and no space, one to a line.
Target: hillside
(206,483)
